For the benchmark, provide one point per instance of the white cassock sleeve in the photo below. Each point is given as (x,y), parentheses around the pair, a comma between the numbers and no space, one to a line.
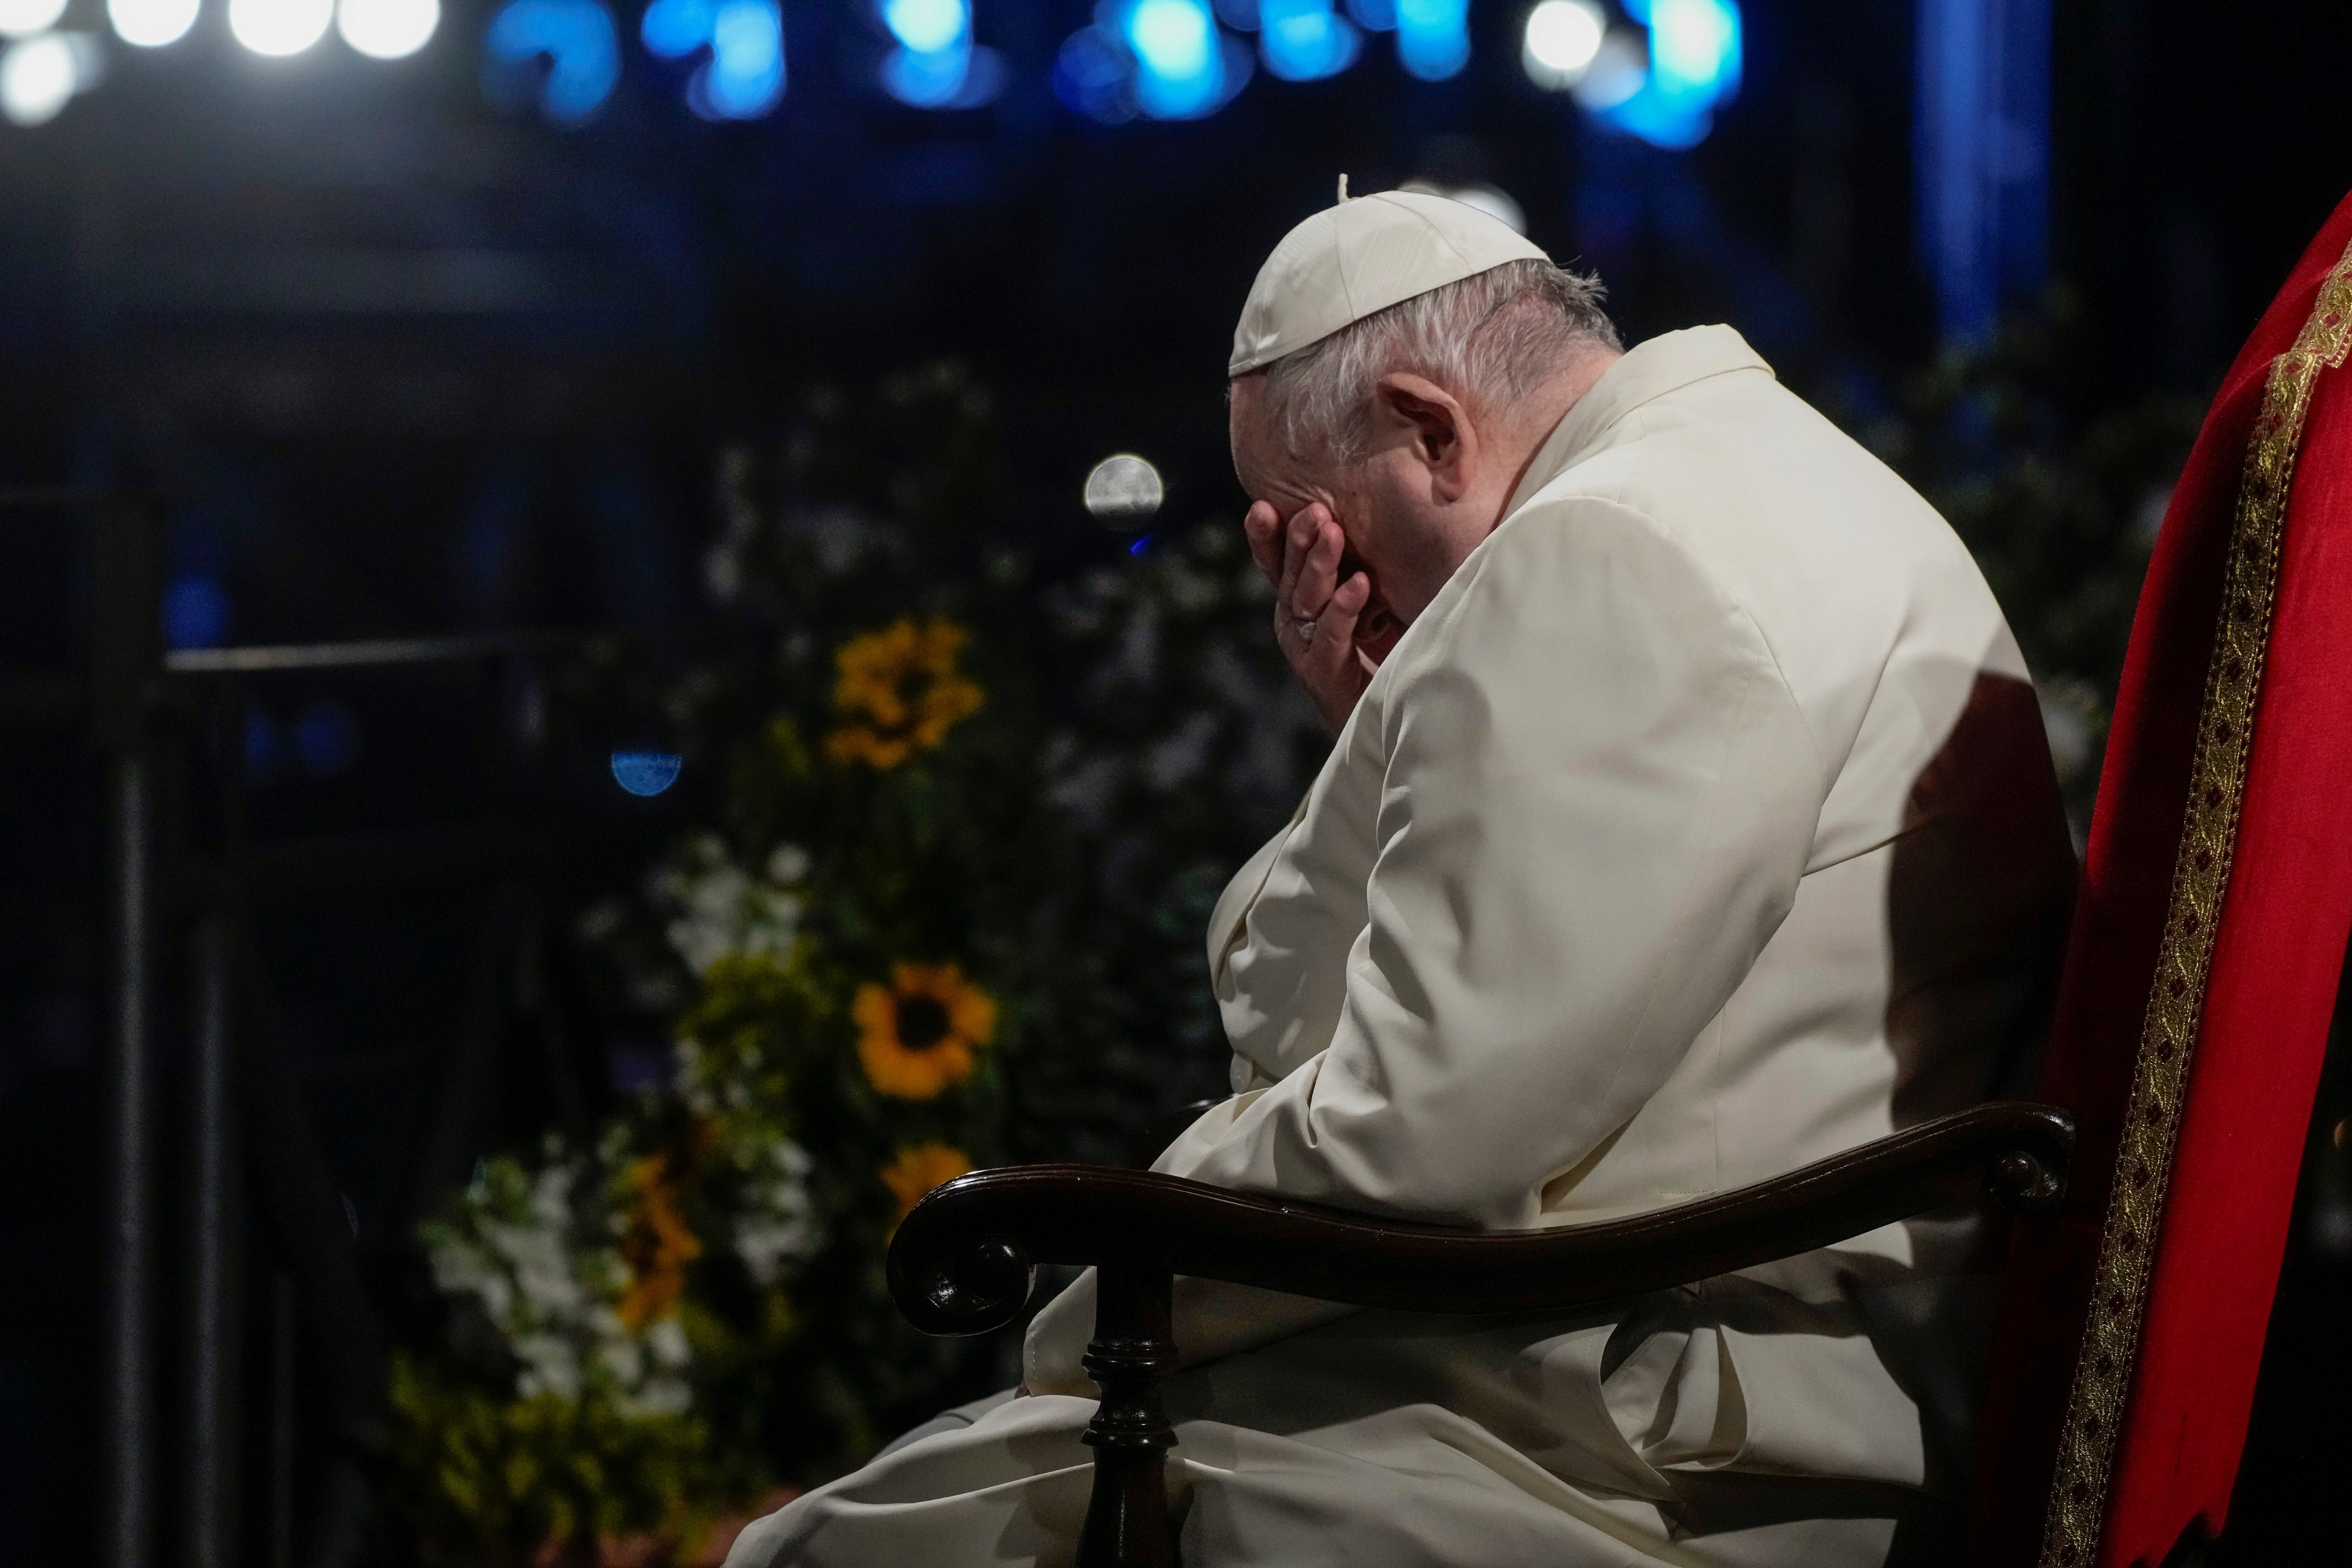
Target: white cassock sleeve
(1598,795)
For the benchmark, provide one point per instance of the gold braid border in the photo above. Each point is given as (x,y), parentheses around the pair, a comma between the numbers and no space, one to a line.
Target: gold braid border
(2199,878)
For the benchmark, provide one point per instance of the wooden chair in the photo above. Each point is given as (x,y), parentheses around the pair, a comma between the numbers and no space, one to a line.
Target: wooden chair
(2156,1181)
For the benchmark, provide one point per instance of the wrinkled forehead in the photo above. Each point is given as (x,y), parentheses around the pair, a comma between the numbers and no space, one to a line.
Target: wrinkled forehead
(1263,465)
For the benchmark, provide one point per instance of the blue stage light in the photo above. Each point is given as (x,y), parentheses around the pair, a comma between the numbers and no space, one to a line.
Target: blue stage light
(577,40)
(1303,41)
(1695,65)
(1433,36)
(1162,59)
(1179,67)
(676,28)
(1694,46)
(936,63)
(645,773)
(1094,75)
(928,27)
(1374,15)
(745,76)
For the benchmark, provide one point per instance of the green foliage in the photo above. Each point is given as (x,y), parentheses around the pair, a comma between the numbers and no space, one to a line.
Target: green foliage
(947,837)
(2058,492)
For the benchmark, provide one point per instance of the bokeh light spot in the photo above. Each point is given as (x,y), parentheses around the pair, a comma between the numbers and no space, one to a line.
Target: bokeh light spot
(1123,491)
(1562,37)
(24,18)
(646,772)
(1303,41)
(279,28)
(387,29)
(577,40)
(1433,38)
(152,24)
(39,76)
(926,27)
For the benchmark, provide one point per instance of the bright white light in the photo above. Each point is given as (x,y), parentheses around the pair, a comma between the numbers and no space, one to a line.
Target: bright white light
(1124,491)
(152,24)
(279,28)
(387,29)
(926,27)
(1172,37)
(23,18)
(1562,37)
(1180,62)
(38,78)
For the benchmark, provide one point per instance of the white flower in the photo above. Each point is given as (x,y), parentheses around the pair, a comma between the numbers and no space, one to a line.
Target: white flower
(549,1276)
(777,1221)
(724,912)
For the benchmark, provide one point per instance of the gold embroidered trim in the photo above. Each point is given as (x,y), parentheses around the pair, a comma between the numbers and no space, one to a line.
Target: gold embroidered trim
(2200,877)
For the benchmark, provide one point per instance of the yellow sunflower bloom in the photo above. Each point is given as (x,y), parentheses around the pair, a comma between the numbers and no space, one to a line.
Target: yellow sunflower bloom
(918,1170)
(899,693)
(916,1036)
(657,1244)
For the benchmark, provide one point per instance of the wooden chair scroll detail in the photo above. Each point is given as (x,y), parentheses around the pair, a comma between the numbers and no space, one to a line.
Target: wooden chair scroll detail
(963,1261)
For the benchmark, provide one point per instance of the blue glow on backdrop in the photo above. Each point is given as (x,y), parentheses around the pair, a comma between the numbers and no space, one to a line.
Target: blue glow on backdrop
(1982,155)
(645,773)
(936,64)
(195,614)
(1374,15)
(1164,59)
(1179,66)
(578,43)
(1695,64)
(1433,36)
(1302,40)
(745,76)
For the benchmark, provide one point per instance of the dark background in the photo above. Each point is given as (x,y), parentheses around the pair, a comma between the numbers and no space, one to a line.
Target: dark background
(400,365)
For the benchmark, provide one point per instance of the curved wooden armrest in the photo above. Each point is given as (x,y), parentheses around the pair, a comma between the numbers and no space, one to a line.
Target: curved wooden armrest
(962,1262)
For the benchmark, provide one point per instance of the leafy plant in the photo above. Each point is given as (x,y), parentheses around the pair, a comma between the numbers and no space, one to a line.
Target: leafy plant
(951,835)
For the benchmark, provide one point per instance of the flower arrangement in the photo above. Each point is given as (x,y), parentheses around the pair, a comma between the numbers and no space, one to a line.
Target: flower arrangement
(930,897)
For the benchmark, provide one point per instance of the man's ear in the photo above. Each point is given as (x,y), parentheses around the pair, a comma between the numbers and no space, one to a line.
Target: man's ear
(1442,437)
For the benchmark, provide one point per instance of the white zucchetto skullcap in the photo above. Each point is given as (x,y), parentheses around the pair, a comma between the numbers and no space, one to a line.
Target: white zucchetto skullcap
(1363,256)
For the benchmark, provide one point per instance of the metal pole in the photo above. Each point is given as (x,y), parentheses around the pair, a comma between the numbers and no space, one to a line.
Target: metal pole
(130,1486)
(211,1373)
(125,634)
(281,1420)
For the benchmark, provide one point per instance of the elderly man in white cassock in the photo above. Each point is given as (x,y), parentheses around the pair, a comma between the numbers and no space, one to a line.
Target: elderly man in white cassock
(1689,819)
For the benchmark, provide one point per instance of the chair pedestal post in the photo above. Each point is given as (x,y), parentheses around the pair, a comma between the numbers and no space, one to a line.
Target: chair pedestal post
(1126,1518)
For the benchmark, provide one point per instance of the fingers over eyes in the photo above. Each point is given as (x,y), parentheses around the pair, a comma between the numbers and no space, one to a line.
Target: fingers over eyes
(1319,571)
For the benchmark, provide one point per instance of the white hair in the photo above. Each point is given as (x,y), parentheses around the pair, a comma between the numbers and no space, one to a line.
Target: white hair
(1489,338)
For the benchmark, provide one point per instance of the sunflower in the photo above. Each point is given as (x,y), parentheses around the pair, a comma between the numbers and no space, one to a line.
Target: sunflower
(899,693)
(657,1244)
(918,1170)
(916,1036)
